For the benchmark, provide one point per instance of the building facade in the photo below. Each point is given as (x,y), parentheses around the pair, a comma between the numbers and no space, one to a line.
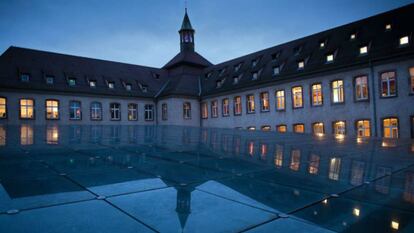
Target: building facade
(356,79)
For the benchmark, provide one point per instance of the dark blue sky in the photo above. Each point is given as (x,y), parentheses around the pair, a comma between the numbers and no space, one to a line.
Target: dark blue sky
(145,32)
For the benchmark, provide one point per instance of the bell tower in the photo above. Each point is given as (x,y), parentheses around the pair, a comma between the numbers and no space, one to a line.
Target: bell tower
(186,34)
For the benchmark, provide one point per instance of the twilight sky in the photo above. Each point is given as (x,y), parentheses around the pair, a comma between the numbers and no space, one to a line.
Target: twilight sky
(145,32)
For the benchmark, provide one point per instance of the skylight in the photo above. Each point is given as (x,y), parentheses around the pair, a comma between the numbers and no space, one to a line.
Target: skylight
(404,40)
(363,50)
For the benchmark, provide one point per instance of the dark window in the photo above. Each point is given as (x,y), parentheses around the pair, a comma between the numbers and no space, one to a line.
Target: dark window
(132,112)
(75,110)
(164,112)
(50,79)
(25,77)
(96,111)
(72,82)
(214,108)
(388,84)
(187,110)
(149,112)
(115,110)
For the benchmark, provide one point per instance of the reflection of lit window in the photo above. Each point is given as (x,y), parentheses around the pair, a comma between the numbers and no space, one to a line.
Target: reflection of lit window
(363,128)
(264,101)
(281,128)
(279,156)
(299,128)
(339,128)
(382,185)
(74,110)
(52,135)
(314,164)
(338,91)
(251,148)
(357,172)
(390,127)
(52,109)
(295,160)
(26,135)
(316,94)
(408,194)
(280,100)
(263,151)
(2,136)
(27,108)
(356,212)
(3,108)
(334,168)
(297,97)
(318,128)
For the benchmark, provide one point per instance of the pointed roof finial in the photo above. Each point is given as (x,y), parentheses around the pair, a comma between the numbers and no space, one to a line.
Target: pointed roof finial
(186,25)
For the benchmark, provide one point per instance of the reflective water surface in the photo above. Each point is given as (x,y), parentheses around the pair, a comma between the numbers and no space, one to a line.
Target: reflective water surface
(181,179)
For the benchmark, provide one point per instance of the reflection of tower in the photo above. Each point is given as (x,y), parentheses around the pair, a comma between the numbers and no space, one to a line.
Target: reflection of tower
(183,208)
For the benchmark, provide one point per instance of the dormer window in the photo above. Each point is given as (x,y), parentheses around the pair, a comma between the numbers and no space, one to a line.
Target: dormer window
(25,78)
(255,75)
(276,70)
(237,67)
(50,80)
(208,75)
(92,83)
(352,36)
(72,82)
(128,87)
(404,40)
(301,65)
(156,76)
(235,79)
(254,63)
(329,58)
(297,50)
(222,71)
(144,88)
(111,85)
(218,83)
(388,27)
(275,56)
(322,45)
(363,50)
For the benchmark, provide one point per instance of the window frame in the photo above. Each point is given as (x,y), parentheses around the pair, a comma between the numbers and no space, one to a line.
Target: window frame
(380,84)
(164,112)
(205,103)
(262,101)
(311,94)
(357,129)
(277,100)
(334,129)
(136,111)
(313,127)
(5,107)
(58,109)
(91,109)
(354,83)
(33,106)
(215,106)
(228,107)
(150,112)
(112,109)
(247,104)
(343,92)
(240,104)
(383,129)
(187,110)
(70,109)
(293,97)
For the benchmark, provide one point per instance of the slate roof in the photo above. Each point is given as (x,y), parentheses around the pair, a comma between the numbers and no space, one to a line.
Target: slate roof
(191,58)
(370,31)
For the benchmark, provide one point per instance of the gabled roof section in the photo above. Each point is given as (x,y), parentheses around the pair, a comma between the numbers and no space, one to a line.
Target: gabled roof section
(181,85)
(39,64)
(382,44)
(190,58)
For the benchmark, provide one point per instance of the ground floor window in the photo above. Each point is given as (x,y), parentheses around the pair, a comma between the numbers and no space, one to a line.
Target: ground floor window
(363,128)
(250,103)
(390,127)
(27,109)
(225,107)
(149,112)
(318,128)
(339,128)
(266,128)
(115,110)
(187,110)
(132,112)
(3,107)
(281,128)
(164,111)
(214,109)
(299,128)
(237,105)
(52,109)
(75,110)
(96,111)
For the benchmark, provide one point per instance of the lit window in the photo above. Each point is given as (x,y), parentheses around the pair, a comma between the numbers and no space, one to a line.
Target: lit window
(27,109)
(334,168)
(250,104)
(301,65)
(314,164)
(388,84)
(388,26)
(297,97)
(363,50)
(187,110)
(264,102)
(276,70)
(237,105)
(50,80)
(128,87)
(225,107)
(26,135)
(52,109)
(338,91)
(92,83)
(280,100)
(252,128)
(318,128)
(339,128)
(395,224)
(75,110)
(132,112)
(317,94)
(266,128)
(204,110)
(390,127)
(329,58)
(52,135)
(281,128)
(322,45)
(352,36)
(3,108)
(363,128)
(96,111)
(214,109)
(295,160)
(278,156)
(299,128)
(164,111)
(404,40)
(361,88)
(149,112)
(72,82)
(25,78)
(412,80)
(111,85)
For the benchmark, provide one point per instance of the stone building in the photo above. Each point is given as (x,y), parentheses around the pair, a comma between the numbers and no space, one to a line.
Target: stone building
(356,79)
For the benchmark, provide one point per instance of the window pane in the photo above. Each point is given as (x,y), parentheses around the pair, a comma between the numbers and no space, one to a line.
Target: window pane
(280,95)
(3,108)
(297,97)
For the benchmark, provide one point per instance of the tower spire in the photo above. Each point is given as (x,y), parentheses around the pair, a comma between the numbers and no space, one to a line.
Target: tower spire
(186,33)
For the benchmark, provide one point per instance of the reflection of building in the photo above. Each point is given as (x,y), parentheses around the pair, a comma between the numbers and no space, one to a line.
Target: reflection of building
(356,79)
